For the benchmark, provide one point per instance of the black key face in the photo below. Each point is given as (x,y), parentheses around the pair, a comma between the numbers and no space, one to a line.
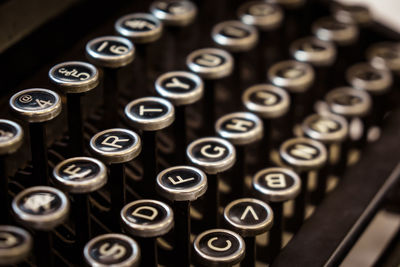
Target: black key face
(116,145)
(146,213)
(181,179)
(174,12)
(260,9)
(249,216)
(277,184)
(210,63)
(35,100)
(10,239)
(181,183)
(147,218)
(115,141)
(74,72)
(240,128)
(41,207)
(80,175)
(219,246)
(291,72)
(276,181)
(235,32)
(210,151)
(149,110)
(110,47)
(348,102)
(265,98)
(325,128)
(312,47)
(112,249)
(179,84)
(172,7)
(110,51)
(238,125)
(40,203)
(140,24)
(11,136)
(303,153)
(150,113)
(209,60)
(235,35)
(79,170)
(15,244)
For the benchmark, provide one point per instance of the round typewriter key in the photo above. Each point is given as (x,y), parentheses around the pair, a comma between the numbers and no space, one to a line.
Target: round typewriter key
(42,208)
(249,217)
(112,250)
(80,176)
(181,88)
(303,155)
(365,77)
(182,185)
(241,129)
(385,55)
(332,130)
(147,219)
(174,12)
(330,29)
(314,51)
(297,77)
(235,36)
(352,13)
(15,244)
(260,14)
(139,27)
(213,155)
(116,147)
(11,138)
(276,186)
(270,103)
(219,247)
(150,114)
(74,78)
(111,53)
(211,64)
(36,106)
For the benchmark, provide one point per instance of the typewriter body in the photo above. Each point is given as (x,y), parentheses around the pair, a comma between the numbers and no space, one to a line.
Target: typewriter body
(197,133)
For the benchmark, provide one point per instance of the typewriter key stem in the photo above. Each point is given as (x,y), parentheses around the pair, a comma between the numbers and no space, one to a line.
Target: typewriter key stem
(110,98)
(82,220)
(250,257)
(180,134)
(118,193)
(4,198)
(182,232)
(37,133)
(149,160)
(44,248)
(276,233)
(300,202)
(212,200)
(75,124)
(209,107)
(148,248)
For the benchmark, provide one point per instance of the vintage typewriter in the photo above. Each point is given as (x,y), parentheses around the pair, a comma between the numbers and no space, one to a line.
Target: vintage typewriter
(198,133)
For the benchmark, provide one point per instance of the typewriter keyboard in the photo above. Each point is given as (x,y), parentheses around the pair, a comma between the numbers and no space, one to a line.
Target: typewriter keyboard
(202,133)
